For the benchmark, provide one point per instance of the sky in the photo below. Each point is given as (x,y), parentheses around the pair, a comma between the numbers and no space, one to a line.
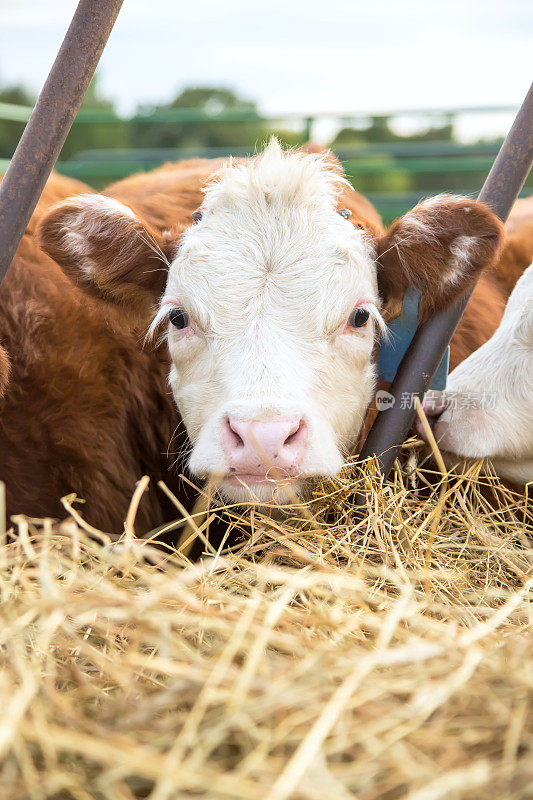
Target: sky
(292,56)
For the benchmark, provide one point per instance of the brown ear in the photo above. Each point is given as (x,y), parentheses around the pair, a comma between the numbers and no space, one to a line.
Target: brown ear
(108,251)
(439,247)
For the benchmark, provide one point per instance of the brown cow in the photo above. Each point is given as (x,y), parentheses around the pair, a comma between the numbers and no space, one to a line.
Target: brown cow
(517,253)
(88,408)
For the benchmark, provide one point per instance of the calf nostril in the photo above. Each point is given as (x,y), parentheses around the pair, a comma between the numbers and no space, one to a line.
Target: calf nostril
(234,435)
(295,434)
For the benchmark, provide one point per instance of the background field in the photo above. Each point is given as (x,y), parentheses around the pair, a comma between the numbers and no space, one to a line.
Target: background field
(395,159)
(382,83)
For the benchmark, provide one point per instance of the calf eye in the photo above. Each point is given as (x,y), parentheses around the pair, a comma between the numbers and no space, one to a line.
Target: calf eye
(358,318)
(179,318)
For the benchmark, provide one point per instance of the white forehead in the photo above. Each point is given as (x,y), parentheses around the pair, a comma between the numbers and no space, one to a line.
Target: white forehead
(270,235)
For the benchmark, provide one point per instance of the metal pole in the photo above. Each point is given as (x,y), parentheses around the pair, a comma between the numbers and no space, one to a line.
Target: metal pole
(431,339)
(51,119)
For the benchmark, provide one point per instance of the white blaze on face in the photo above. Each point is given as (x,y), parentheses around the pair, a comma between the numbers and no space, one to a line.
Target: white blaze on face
(268,279)
(499,376)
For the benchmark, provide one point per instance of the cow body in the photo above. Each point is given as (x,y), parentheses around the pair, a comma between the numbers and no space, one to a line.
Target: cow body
(85,408)
(269,281)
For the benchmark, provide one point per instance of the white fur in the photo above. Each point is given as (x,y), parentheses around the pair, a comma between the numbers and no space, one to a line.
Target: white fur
(461,249)
(503,366)
(269,277)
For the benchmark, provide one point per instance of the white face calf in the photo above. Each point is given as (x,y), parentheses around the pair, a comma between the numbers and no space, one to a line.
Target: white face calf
(488,403)
(272,307)
(276,302)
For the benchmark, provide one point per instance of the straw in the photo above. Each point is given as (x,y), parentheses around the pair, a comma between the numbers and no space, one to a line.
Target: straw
(322,651)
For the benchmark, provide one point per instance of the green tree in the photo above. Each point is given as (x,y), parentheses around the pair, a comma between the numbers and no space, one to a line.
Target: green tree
(378,131)
(208,134)
(96,135)
(391,174)
(10,132)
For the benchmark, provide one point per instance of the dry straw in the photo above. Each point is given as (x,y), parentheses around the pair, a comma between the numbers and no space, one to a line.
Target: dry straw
(330,652)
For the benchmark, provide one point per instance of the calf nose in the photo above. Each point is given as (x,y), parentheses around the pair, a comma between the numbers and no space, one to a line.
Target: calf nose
(253,447)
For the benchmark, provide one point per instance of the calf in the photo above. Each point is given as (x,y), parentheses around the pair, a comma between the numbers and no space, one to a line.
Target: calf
(487,409)
(270,302)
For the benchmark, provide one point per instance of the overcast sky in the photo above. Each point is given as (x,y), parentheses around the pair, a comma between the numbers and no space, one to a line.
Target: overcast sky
(333,55)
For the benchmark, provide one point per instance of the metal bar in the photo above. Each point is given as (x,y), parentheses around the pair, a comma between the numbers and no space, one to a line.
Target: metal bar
(500,190)
(51,119)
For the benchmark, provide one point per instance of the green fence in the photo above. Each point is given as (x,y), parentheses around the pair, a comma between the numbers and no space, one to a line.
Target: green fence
(394,174)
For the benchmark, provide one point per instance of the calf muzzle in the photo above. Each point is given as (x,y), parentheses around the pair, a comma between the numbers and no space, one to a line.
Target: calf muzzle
(256,448)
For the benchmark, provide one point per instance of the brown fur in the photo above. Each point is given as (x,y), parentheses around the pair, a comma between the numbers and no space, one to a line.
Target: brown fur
(133,251)
(87,409)
(403,257)
(517,252)
(485,310)
(5,369)
(521,215)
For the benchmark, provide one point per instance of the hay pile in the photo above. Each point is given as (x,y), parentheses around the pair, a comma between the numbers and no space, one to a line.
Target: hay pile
(328,655)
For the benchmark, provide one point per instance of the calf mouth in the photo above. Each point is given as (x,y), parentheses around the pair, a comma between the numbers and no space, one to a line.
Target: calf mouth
(264,461)
(238,478)
(263,488)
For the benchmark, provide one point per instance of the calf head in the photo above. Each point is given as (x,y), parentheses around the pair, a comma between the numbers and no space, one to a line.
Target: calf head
(272,305)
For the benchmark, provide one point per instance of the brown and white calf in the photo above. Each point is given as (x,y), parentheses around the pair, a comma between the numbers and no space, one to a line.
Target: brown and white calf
(269,303)
(487,408)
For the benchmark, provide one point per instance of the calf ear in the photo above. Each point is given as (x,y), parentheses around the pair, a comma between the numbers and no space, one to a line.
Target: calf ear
(439,247)
(108,251)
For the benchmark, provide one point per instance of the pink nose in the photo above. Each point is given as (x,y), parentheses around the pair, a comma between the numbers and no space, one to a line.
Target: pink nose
(254,448)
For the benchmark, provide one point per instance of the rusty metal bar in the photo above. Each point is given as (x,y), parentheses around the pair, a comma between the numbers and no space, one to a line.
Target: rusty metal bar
(51,119)
(500,190)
